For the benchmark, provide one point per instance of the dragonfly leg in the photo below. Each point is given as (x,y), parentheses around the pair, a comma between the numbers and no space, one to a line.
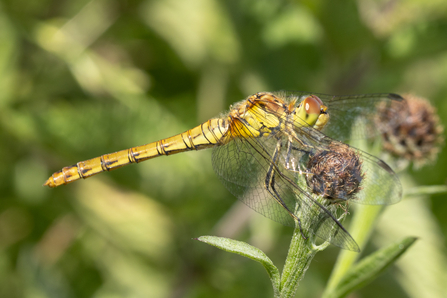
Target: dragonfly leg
(290,162)
(344,207)
(275,194)
(269,185)
(301,229)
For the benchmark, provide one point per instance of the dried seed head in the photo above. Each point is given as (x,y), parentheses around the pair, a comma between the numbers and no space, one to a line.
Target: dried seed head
(335,173)
(418,135)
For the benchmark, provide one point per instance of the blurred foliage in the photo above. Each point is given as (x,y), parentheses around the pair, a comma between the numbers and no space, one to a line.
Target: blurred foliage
(82,78)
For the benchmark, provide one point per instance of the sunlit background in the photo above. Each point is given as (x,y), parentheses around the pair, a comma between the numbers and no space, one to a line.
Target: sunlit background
(83,78)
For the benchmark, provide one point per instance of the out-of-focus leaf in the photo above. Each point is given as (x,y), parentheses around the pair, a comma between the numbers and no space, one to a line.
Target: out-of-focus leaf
(385,16)
(129,220)
(248,251)
(8,46)
(294,25)
(41,280)
(126,274)
(197,29)
(370,267)
(427,75)
(95,74)
(422,269)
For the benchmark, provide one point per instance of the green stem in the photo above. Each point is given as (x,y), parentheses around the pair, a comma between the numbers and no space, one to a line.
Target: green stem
(426,190)
(301,252)
(361,225)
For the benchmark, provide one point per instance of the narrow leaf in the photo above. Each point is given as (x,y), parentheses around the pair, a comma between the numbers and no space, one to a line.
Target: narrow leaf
(370,267)
(246,250)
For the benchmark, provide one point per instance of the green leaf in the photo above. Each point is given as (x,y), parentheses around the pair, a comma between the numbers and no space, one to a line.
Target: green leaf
(370,267)
(249,251)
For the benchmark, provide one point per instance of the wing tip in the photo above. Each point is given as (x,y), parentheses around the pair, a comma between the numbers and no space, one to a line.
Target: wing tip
(355,248)
(395,96)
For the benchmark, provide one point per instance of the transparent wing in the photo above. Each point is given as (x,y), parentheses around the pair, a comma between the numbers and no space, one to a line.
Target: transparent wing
(379,185)
(269,173)
(242,165)
(347,110)
(246,167)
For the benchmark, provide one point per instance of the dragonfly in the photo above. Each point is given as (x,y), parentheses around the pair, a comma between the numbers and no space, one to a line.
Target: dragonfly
(264,146)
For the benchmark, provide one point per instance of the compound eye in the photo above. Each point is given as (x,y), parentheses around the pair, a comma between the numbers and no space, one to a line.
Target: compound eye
(312,104)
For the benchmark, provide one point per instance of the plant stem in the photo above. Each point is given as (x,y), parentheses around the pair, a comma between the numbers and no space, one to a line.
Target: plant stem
(361,228)
(426,190)
(301,252)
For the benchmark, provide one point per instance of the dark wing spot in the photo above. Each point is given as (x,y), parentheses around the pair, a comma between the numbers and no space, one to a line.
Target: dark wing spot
(386,167)
(395,96)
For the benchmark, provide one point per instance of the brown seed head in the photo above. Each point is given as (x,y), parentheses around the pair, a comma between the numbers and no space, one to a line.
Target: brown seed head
(335,173)
(418,135)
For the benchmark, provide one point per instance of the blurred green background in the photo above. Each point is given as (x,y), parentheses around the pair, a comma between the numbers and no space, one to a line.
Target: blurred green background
(83,78)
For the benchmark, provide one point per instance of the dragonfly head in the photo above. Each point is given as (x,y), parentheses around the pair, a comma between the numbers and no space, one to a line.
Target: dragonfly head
(311,112)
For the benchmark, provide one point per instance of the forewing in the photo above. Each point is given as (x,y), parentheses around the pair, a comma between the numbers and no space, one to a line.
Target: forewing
(379,185)
(348,110)
(244,164)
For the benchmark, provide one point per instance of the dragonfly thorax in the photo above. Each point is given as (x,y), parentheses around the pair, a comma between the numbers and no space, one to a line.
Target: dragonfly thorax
(264,112)
(259,115)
